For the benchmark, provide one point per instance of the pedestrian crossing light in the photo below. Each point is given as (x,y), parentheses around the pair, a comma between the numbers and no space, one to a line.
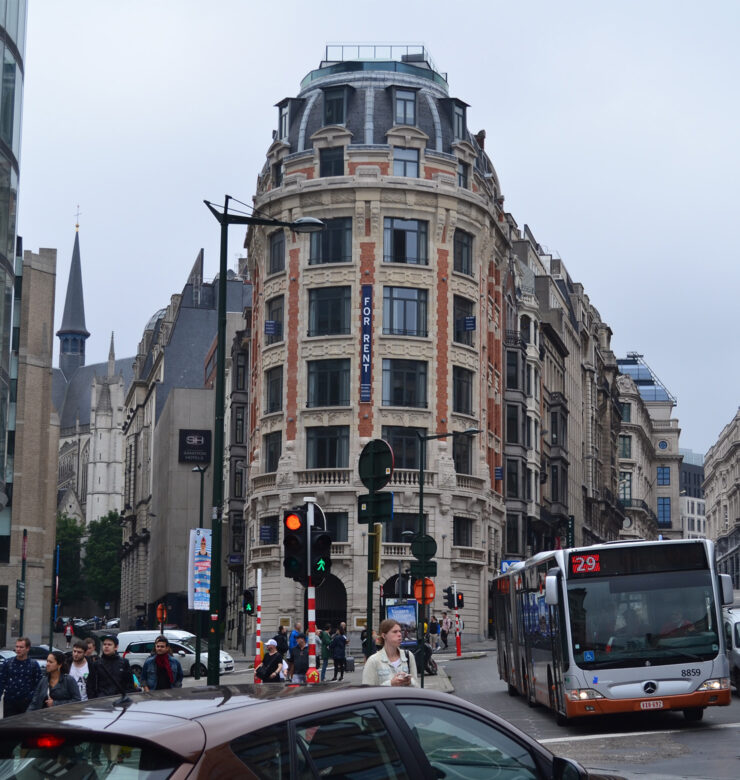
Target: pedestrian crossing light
(249,601)
(295,543)
(460,600)
(320,555)
(449,598)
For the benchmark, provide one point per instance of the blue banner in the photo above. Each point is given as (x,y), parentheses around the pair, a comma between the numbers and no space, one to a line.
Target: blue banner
(366,344)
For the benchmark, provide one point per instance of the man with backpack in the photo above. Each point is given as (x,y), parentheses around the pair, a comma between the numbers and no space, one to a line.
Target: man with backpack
(110,674)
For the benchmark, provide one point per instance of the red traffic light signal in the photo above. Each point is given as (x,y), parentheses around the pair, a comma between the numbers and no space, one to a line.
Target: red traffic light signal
(460,600)
(295,538)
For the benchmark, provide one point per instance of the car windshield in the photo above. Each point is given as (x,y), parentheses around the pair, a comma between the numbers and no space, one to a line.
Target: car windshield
(56,755)
(643,619)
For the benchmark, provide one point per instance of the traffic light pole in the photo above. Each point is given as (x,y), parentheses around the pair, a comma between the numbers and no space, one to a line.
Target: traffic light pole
(458,638)
(311,590)
(258,630)
(420,644)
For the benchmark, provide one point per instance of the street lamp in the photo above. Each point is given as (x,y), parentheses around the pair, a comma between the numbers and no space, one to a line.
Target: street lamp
(423,439)
(301,225)
(199,617)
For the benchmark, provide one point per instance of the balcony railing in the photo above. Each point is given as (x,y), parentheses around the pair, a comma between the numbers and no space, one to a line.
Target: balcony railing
(469,555)
(341,550)
(263,481)
(466,482)
(266,552)
(324,477)
(410,478)
(395,550)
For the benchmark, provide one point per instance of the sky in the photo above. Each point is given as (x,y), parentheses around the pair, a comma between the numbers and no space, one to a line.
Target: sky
(613,128)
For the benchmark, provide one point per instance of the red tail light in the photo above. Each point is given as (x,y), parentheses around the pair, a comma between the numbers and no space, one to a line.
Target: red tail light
(44,741)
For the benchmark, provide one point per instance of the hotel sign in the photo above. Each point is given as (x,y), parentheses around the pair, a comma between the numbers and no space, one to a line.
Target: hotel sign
(366,344)
(195,446)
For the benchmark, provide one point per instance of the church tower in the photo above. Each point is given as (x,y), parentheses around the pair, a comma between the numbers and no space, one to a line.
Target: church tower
(73,333)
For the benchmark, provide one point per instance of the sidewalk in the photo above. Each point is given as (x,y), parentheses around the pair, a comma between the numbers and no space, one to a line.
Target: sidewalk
(244,667)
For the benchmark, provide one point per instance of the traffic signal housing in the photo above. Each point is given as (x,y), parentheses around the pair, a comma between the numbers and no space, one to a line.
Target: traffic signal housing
(460,600)
(449,598)
(320,555)
(295,544)
(249,606)
(376,541)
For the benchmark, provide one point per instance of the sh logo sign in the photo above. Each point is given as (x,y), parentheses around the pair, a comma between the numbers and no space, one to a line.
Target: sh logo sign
(195,446)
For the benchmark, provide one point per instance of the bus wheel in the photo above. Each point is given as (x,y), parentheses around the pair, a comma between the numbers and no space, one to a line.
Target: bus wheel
(562,720)
(694,714)
(512,690)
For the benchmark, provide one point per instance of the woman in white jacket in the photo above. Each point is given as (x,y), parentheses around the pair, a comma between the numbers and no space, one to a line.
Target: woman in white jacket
(391,665)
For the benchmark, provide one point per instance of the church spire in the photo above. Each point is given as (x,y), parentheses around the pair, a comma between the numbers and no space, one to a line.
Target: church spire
(111,357)
(73,333)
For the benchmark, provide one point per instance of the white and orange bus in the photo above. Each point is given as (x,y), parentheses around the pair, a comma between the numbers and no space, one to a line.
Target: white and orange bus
(616,627)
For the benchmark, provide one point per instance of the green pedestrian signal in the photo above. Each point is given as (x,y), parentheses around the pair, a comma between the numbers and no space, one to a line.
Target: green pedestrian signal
(248,602)
(320,564)
(320,555)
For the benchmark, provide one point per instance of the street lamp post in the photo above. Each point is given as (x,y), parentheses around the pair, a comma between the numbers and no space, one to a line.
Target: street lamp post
(302,225)
(423,439)
(199,613)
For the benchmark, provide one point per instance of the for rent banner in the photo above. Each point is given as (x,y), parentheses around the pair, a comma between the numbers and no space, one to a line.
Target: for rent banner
(199,569)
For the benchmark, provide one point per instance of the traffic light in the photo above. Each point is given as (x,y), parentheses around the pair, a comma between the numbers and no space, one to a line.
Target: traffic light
(295,542)
(460,600)
(320,555)
(449,598)
(249,606)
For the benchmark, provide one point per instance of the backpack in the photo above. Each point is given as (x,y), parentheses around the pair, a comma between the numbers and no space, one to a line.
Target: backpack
(282,643)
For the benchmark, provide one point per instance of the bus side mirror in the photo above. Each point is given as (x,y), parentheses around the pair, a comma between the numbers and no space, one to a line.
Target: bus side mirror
(551,589)
(728,597)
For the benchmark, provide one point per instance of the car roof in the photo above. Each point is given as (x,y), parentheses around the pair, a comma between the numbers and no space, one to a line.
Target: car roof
(179,719)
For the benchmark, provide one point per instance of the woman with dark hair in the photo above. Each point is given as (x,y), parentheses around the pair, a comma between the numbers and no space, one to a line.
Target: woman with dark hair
(391,665)
(56,686)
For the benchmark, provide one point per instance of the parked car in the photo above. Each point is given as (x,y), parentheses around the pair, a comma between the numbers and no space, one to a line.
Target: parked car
(6,655)
(40,653)
(125,638)
(315,731)
(137,652)
(731,620)
(113,623)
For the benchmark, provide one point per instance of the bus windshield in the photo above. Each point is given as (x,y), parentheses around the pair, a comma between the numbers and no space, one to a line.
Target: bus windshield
(643,619)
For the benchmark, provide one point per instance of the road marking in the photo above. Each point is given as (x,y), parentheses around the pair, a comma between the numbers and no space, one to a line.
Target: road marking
(635,733)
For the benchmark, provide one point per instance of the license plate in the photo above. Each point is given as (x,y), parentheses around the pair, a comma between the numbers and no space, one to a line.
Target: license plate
(653,704)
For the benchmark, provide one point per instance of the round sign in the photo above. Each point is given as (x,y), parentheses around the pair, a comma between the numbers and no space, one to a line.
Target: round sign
(423,548)
(429,591)
(376,464)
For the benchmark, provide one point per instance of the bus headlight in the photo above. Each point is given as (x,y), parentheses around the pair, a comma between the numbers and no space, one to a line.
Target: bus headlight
(719,684)
(584,694)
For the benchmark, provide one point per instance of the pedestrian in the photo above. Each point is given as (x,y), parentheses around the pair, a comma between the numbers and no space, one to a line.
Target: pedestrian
(391,665)
(281,640)
(68,633)
(55,687)
(161,670)
(18,679)
(325,637)
(434,633)
(368,651)
(271,665)
(91,652)
(79,669)
(338,649)
(444,628)
(298,660)
(292,640)
(110,674)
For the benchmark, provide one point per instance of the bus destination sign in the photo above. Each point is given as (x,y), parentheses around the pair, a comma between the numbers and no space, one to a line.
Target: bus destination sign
(585,564)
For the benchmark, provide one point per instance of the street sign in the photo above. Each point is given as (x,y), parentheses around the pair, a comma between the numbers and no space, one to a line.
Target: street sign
(505,565)
(20,594)
(376,464)
(423,547)
(423,568)
(375,508)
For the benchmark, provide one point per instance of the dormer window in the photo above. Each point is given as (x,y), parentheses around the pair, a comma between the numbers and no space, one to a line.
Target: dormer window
(459,122)
(335,106)
(284,121)
(405,107)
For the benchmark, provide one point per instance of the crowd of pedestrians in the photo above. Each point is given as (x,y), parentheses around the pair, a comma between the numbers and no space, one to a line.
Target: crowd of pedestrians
(80,674)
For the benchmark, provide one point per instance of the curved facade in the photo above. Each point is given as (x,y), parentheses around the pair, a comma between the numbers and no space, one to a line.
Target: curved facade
(385,325)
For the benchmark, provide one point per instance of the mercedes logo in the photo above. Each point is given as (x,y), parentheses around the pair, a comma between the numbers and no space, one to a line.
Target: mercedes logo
(650,687)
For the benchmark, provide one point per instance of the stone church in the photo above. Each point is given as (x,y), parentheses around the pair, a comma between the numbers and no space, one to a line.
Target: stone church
(90,403)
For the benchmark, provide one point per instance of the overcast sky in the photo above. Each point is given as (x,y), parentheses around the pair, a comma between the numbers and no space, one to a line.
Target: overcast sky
(614,129)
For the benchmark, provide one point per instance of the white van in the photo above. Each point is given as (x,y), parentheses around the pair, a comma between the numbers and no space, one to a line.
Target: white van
(125,638)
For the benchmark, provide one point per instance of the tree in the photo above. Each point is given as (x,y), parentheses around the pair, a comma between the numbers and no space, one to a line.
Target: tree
(69,536)
(102,568)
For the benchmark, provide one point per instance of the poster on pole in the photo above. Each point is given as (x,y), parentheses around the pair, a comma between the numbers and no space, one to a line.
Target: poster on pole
(199,569)
(405,614)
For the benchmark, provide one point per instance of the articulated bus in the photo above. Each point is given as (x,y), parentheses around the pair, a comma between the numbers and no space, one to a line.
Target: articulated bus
(617,627)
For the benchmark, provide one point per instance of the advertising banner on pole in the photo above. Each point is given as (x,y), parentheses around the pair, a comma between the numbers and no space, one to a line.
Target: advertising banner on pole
(199,569)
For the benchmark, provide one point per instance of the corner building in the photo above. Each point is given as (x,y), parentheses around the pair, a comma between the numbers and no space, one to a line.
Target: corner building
(415,243)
